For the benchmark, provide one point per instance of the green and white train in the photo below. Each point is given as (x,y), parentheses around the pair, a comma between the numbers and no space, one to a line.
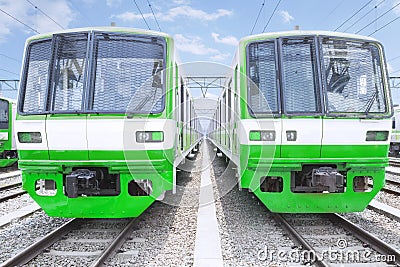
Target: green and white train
(8,148)
(103,121)
(306,117)
(394,149)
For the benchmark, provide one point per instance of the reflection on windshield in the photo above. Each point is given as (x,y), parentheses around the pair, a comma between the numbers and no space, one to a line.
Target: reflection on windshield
(353,75)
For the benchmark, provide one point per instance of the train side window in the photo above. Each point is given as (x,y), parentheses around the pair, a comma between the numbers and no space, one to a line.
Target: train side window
(394,123)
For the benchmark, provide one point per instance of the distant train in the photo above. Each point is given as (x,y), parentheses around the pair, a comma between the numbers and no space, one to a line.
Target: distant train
(8,149)
(103,121)
(394,149)
(306,117)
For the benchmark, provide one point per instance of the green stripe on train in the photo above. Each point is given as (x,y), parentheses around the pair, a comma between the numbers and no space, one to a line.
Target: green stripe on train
(315,151)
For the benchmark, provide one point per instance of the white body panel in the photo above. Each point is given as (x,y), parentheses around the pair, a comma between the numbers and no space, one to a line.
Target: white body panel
(120,134)
(352,131)
(309,131)
(97,134)
(31,126)
(66,134)
(245,126)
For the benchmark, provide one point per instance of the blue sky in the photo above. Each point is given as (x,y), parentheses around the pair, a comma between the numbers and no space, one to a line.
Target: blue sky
(203,30)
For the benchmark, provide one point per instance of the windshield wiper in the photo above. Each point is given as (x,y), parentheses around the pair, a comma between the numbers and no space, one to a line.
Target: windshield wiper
(370,103)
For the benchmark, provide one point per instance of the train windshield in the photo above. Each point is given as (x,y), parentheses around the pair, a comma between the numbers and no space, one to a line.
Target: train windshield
(94,72)
(69,72)
(263,90)
(35,80)
(300,85)
(128,74)
(353,77)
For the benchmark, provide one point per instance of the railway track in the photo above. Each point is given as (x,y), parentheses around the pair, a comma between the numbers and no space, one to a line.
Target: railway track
(70,232)
(11,185)
(394,162)
(316,253)
(12,195)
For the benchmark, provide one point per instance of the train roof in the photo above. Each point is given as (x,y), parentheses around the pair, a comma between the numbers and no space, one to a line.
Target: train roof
(101,29)
(273,35)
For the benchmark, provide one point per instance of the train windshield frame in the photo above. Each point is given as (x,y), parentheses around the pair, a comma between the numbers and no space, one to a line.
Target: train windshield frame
(311,55)
(68,76)
(353,77)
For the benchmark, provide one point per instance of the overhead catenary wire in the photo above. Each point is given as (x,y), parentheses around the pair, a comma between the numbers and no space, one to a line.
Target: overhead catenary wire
(384,26)
(41,11)
(333,10)
(379,17)
(155,18)
(352,16)
(258,16)
(9,71)
(16,60)
(80,11)
(140,11)
(26,25)
(393,58)
(366,14)
(273,12)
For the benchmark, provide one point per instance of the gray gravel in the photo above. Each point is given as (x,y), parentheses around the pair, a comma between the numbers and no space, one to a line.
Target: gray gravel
(246,228)
(387,198)
(15,203)
(377,224)
(165,234)
(10,180)
(21,233)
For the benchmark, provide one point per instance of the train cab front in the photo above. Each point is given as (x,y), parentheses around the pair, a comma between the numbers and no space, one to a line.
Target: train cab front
(94,109)
(323,145)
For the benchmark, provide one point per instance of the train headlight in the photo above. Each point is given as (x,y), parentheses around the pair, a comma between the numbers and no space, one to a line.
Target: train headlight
(149,136)
(29,137)
(262,135)
(377,136)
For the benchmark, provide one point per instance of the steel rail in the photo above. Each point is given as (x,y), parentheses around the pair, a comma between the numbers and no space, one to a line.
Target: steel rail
(115,244)
(13,195)
(374,242)
(36,248)
(297,238)
(10,186)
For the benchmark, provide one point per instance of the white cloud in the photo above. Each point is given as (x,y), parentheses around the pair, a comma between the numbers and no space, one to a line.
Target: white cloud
(229,40)
(190,12)
(113,3)
(396,9)
(286,17)
(193,44)
(27,14)
(220,56)
(173,13)
(181,2)
(130,16)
